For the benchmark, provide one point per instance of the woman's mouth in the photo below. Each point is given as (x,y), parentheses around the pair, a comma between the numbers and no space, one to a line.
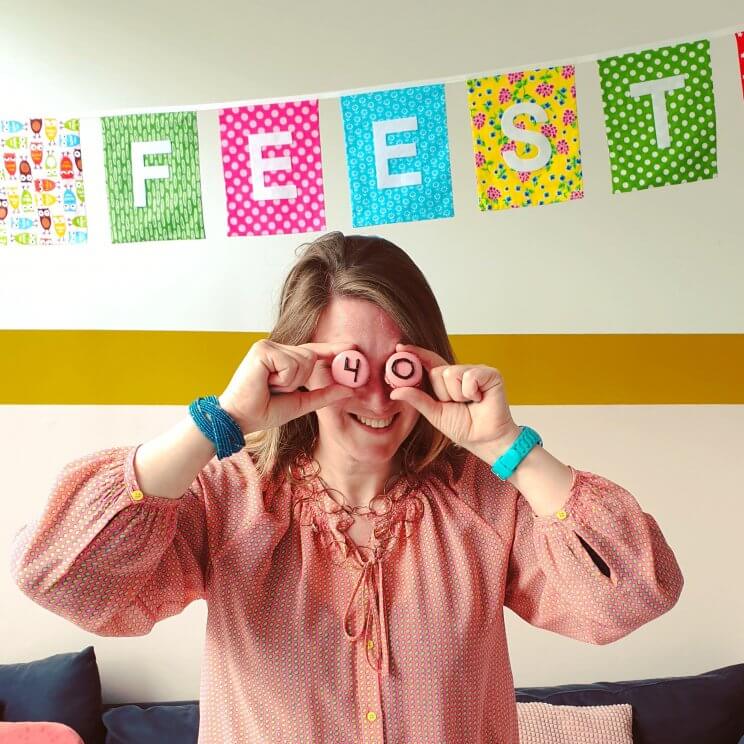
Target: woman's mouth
(374,425)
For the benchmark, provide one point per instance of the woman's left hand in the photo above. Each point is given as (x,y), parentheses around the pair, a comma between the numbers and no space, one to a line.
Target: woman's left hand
(471,409)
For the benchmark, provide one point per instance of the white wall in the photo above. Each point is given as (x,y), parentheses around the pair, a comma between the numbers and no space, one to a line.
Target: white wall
(659,261)
(673,249)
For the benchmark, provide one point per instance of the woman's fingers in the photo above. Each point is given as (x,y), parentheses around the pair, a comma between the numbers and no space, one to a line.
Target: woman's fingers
(301,362)
(300,402)
(446,379)
(452,377)
(438,385)
(312,365)
(287,368)
(454,382)
(428,357)
(470,388)
(327,349)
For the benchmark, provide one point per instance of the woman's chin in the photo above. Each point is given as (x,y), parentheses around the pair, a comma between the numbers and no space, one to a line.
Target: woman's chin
(372,453)
(371,449)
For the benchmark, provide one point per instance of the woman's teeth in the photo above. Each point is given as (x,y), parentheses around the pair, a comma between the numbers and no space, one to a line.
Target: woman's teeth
(375,423)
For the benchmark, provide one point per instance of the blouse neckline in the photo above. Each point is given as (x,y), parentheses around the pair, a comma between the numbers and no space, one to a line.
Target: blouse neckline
(395,516)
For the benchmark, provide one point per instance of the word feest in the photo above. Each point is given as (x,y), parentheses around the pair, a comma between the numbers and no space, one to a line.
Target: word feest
(351,368)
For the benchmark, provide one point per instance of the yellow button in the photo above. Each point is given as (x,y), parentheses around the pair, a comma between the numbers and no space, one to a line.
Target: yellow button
(562,514)
(137,495)
(371,716)
(370,644)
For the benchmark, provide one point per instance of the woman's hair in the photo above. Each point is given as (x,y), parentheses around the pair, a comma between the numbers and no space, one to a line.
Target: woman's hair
(370,268)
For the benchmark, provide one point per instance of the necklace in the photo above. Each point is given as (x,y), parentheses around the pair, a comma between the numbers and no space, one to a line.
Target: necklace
(382,499)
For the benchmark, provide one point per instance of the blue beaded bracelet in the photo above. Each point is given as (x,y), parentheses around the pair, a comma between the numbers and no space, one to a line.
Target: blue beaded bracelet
(217,425)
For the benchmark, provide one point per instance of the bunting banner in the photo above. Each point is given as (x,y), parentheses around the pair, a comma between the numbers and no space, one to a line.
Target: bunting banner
(525,129)
(272,167)
(42,197)
(152,177)
(660,116)
(397,155)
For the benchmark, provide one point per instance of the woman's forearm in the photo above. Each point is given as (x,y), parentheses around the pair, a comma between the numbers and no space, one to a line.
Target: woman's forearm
(168,464)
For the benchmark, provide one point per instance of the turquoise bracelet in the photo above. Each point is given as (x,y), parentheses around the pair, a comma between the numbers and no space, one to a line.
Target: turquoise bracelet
(217,425)
(521,447)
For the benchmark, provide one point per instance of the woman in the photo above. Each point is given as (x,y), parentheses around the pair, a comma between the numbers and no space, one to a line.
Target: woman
(355,576)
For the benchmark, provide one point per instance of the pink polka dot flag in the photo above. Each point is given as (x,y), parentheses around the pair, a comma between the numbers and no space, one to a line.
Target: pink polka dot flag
(740,48)
(272,166)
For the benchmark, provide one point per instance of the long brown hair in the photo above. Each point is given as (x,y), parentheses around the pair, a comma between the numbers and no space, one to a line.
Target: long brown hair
(373,269)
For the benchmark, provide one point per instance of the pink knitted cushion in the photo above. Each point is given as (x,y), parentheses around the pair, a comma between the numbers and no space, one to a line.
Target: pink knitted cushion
(543,723)
(37,732)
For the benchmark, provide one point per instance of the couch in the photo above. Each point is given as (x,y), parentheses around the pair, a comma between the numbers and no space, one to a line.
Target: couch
(706,708)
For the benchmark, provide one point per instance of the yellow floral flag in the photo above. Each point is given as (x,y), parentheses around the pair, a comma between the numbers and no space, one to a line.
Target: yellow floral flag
(526,138)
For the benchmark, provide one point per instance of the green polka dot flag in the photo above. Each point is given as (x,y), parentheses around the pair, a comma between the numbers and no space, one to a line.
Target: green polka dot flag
(152,177)
(660,116)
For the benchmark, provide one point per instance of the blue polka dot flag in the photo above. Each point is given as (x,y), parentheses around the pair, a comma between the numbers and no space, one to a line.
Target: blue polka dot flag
(397,154)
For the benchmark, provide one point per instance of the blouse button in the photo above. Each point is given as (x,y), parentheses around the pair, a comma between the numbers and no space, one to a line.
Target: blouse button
(370,644)
(371,715)
(562,514)
(137,495)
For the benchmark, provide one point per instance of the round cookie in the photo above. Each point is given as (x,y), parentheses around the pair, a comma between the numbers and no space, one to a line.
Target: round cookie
(403,369)
(350,368)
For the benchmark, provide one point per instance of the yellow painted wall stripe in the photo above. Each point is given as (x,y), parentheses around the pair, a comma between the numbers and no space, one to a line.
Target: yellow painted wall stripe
(174,367)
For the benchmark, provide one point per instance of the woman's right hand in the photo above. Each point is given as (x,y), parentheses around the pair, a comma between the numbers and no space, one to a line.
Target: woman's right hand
(270,367)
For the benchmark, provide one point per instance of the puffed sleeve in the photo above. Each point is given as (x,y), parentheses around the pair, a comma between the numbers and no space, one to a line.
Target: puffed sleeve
(595,570)
(115,561)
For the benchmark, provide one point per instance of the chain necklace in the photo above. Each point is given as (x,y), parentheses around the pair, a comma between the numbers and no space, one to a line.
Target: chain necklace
(358,509)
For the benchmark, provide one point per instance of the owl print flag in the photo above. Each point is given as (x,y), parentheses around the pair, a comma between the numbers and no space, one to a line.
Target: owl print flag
(525,131)
(42,199)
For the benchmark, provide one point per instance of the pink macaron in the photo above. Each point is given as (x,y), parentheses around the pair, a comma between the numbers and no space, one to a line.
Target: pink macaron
(350,368)
(403,369)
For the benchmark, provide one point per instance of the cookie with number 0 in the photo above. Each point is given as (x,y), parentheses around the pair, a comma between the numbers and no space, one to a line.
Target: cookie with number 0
(403,369)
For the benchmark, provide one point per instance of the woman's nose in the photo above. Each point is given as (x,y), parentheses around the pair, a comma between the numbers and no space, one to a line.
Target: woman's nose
(375,395)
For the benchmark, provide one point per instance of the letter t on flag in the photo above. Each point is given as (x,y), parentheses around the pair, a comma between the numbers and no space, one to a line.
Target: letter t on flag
(660,116)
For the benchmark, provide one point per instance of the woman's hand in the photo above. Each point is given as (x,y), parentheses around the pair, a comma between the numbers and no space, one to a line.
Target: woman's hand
(270,367)
(471,407)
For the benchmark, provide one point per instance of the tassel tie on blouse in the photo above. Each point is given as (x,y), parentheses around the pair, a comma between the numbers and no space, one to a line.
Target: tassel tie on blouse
(374,626)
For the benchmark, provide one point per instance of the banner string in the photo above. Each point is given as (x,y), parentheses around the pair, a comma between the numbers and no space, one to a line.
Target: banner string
(690,38)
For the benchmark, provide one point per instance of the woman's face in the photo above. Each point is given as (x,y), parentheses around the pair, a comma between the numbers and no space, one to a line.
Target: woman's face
(376,334)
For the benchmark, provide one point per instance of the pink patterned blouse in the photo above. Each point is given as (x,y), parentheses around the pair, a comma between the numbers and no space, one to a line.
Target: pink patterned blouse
(309,639)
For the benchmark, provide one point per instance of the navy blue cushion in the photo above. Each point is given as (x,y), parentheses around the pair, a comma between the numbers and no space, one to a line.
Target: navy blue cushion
(707,707)
(65,688)
(156,724)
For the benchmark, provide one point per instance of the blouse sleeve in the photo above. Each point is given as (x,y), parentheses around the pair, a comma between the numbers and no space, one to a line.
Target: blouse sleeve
(595,570)
(112,560)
